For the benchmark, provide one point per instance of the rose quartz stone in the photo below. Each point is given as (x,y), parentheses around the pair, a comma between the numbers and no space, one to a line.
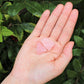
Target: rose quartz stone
(44,45)
(40,48)
(48,44)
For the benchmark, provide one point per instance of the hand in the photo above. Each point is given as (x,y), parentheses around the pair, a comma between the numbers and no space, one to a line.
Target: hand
(48,50)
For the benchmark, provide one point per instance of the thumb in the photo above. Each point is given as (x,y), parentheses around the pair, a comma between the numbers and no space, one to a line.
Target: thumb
(68,49)
(65,57)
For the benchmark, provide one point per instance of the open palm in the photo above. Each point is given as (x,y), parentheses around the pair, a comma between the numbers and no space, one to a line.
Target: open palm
(48,50)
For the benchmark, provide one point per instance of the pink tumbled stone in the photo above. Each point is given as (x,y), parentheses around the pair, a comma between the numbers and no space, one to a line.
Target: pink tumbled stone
(48,44)
(40,48)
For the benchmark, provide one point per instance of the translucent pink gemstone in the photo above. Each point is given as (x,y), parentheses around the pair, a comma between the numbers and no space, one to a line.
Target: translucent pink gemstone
(40,48)
(48,44)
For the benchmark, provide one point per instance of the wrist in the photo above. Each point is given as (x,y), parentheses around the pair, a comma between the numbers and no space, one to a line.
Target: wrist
(10,79)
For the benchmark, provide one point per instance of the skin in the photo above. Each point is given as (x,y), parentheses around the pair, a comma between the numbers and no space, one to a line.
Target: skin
(48,50)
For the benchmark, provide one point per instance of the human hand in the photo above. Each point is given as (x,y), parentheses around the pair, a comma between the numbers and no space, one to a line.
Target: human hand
(48,50)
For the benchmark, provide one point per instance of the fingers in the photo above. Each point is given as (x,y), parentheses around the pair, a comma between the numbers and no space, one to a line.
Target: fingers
(37,31)
(62,21)
(52,21)
(64,59)
(69,27)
